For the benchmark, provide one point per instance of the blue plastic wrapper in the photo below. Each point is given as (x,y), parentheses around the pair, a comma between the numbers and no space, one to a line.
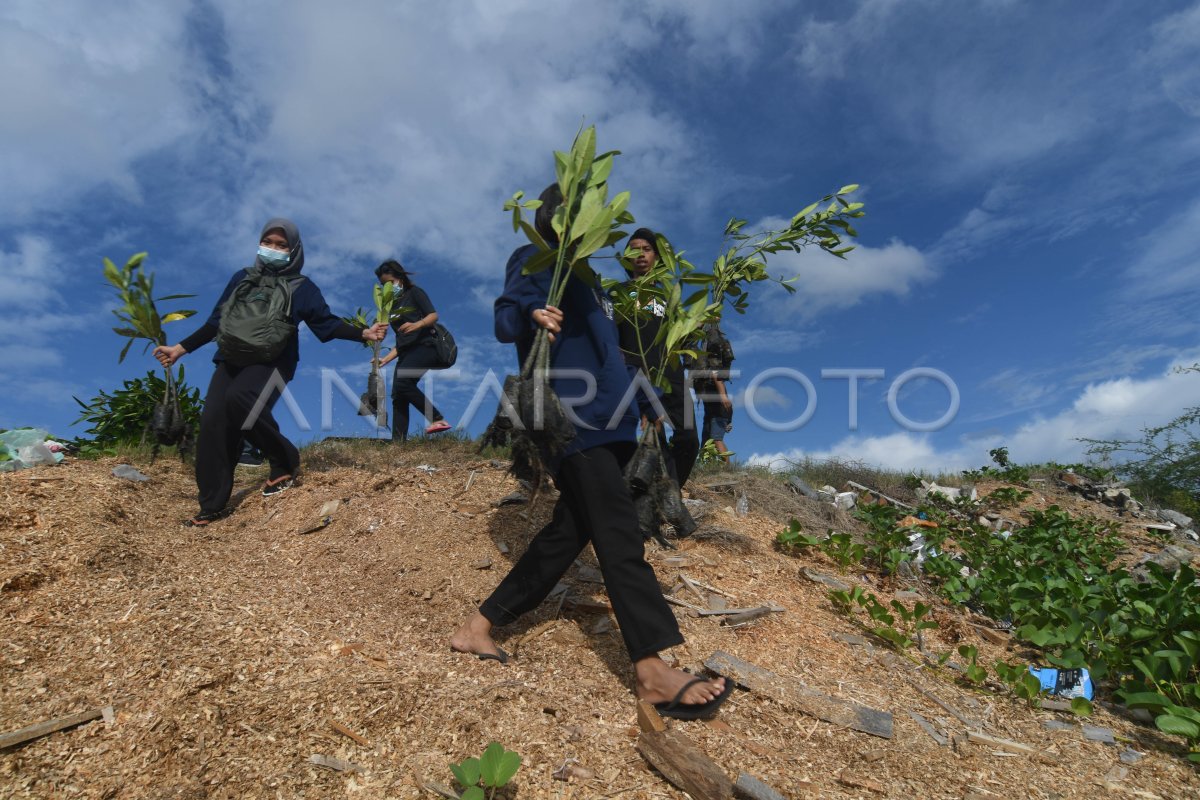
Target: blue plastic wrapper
(1068,683)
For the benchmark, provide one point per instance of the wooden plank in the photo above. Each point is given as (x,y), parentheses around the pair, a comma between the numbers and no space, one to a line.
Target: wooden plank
(648,717)
(40,729)
(1001,744)
(794,695)
(881,495)
(684,765)
(746,616)
(749,787)
(718,612)
(949,709)
(927,726)
(344,731)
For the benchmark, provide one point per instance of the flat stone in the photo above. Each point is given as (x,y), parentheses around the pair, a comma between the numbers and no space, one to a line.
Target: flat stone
(1058,725)
(906,596)
(1131,756)
(1096,734)
(832,583)
(514,499)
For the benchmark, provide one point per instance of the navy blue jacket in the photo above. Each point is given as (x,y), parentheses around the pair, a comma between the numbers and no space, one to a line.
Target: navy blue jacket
(587,342)
(308,306)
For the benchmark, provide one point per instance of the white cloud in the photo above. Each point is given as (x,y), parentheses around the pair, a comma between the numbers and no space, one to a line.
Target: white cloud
(897,451)
(825,282)
(1175,52)
(1170,264)
(96,91)
(1112,409)
(763,397)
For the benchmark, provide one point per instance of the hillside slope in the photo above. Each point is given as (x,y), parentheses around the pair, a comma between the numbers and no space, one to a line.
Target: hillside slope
(231,652)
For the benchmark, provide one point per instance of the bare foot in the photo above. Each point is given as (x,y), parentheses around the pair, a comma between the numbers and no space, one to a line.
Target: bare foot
(658,683)
(475,636)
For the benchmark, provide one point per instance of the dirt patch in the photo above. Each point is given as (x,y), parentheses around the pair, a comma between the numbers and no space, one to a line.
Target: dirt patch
(235,652)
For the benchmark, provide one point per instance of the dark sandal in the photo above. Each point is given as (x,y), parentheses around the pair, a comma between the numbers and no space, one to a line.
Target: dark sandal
(280,485)
(203,520)
(677,709)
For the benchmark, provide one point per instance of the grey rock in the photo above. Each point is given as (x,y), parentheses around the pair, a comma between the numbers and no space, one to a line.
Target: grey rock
(697,508)
(1131,756)
(907,596)
(1095,734)
(832,583)
(1057,725)
(803,488)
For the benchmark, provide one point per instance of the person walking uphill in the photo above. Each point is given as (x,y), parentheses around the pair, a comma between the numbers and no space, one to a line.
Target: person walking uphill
(684,446)
(414,352)
(255,325)
(594,503)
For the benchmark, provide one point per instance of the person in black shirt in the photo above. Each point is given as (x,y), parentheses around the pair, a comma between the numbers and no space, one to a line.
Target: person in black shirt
(413,352)
(234,406)
(684,446)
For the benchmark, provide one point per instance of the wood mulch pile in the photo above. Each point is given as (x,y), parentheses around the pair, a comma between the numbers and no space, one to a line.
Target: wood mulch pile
(232,655)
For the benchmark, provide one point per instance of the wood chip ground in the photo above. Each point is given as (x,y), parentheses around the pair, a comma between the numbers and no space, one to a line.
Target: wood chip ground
(229,653)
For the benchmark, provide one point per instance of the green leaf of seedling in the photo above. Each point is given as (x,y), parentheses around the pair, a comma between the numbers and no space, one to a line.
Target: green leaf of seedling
(467,771)
(497,765)
(474,793)
(1081,706)
(174,297)
(848,188)
(800,215)
(178,315)
(539,262)
(1169,723)
(124,351)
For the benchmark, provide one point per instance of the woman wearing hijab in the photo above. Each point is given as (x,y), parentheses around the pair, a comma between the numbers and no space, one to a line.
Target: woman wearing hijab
(594,503)
(414,352)
(240,396)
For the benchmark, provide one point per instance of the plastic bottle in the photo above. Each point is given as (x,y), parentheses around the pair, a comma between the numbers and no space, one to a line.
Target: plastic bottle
(743,505)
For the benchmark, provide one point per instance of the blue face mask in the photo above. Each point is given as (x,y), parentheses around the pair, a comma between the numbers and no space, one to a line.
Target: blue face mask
(272,257)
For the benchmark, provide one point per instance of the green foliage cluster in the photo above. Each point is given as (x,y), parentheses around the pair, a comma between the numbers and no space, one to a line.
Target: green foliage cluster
(1056,579)
(138,314)
(1004,470)
(121,419)
(839,547)
(709,454)
(894,622)
(493,769)
(692,298)
(584,222)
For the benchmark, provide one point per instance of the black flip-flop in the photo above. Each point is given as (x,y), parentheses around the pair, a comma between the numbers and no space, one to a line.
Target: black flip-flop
(499,655)
(676,709)
(203,520)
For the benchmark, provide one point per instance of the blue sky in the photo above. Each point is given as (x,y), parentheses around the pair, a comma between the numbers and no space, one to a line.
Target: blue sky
(1031,174)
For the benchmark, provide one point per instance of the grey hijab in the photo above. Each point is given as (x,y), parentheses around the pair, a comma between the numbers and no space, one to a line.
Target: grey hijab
(292,233)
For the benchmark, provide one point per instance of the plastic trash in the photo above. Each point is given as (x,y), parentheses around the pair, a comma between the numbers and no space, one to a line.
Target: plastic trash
(129,473)
(26,447)
(1068,683)
(743,505)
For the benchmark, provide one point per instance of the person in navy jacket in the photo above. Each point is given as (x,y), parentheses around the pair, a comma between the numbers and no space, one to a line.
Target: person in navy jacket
(234,391)
(594,503)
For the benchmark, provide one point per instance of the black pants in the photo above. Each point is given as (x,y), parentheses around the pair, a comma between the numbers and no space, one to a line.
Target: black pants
(232,395)
(594,506)
(684,446)
(412,363)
